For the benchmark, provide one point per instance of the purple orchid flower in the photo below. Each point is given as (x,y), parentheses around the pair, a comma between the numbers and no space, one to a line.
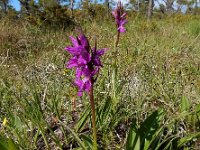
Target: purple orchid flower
(86,61)
(120,17)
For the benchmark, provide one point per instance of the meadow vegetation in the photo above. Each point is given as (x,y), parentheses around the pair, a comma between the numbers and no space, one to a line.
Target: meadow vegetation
(157,104)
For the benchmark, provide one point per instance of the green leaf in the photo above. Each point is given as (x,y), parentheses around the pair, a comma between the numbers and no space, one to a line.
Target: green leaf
(18,123)
(155,140)
(12,145)
(106,109)
(133,140)
(188,138)
(7,144)
(150,126)
(82,121)
(3,144)
(87,140)
(77,138)
(185,105)
(104,112)
(197,109)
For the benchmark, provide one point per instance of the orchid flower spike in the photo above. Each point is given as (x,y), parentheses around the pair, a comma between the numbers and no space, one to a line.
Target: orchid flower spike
(120,17)
(85,60)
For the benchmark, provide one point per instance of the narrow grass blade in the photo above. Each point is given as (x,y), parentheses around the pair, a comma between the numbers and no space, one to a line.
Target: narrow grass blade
(188,138)
(83,119)
(87,140)
(185,105)
(77,138)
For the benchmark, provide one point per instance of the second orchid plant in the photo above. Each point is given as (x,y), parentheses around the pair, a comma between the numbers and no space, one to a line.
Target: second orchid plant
(120,19)
(87,63)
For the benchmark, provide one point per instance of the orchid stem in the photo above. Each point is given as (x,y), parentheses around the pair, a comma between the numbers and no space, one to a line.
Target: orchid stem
(117,40)
(114,74)
(93,118)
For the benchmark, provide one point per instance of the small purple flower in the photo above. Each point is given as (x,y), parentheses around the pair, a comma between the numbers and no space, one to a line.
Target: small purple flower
(96,56)
(83,85)
(120,17)
(86,61)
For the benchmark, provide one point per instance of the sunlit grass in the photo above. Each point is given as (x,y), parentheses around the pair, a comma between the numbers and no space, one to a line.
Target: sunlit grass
(158,65)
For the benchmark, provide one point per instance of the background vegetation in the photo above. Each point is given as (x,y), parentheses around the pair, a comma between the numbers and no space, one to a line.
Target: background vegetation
(158,84)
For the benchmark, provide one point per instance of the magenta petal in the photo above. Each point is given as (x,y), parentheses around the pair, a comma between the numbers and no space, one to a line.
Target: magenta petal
(86,71)
(86,55)
(87,84)
(94,50)
(84,58)
(124,15)
(79,72)
(80,93)
(97,62)
(96,56)
(79,83)
(100,52)
(74,41)
(82,61)
(118,21)
(114,14)
(73,62)
(72,50)
(96,70)
(84,41)
(123,22)
(86,79)
(121,29)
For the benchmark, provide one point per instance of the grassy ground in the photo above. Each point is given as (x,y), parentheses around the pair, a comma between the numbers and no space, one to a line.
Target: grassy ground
(158,67)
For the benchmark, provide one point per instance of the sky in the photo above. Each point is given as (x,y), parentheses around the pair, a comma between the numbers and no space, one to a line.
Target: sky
(16,4)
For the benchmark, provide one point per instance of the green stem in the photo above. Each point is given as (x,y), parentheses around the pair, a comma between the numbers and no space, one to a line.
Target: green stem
(44,137)
(114,74)
(115,49)
(117,40)
(93,118)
